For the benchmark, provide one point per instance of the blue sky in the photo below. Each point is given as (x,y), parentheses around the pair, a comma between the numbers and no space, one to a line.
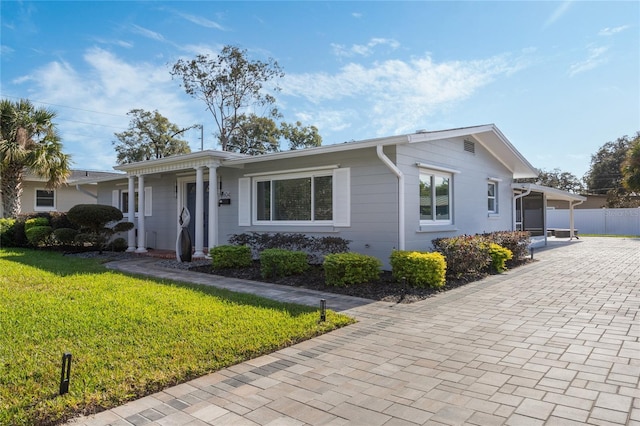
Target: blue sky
(558,78)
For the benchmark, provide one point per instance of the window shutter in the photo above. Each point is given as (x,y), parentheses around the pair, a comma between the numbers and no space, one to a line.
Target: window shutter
(244,202)
(342,197)
(147,201)
(115,199)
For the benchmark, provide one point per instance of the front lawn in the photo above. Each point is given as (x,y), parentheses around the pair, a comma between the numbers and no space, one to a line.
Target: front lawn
(128,336)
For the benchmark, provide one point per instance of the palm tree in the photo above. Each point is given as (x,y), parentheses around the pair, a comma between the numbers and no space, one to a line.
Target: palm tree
(29,143)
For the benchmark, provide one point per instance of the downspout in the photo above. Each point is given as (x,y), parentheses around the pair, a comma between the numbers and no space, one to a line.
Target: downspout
(401,205)
(572,232)
(515,200)
(84,191)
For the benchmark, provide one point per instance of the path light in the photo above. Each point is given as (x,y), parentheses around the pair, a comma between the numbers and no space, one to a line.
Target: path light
(323,310)
(65,373)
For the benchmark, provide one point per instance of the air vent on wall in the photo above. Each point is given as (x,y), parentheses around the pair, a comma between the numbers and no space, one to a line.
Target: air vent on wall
(469,146)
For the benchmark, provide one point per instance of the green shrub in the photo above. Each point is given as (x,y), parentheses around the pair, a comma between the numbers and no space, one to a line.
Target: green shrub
(516,241)
(499,257)
(279,262)
(60,220)
(37,235)
(7,232)
(464,254)
(93,219)
(342,269)
(418,268)
(33,222)
(119,244)
(230,256)
(65,236)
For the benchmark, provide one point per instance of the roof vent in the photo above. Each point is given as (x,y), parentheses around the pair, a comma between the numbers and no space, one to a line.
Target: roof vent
(421,131)
(469,146)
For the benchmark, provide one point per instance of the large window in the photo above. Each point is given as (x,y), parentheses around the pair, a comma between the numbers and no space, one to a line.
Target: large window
(435,197)
(294,199)
(45,199)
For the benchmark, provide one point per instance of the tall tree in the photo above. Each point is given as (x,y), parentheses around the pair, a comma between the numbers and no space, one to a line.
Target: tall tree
(254,136)
(631,167)
(558,179)
(604,174)
(29,143)
(230,85)
(150,136)
(300,137)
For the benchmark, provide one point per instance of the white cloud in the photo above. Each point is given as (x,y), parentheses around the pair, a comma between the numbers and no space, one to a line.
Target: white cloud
(5,50)
(557,13)
(611,31)
(137,29)
(595,58)
(203,22)
(398,95)
(92,103)
(363,49)
(357,15)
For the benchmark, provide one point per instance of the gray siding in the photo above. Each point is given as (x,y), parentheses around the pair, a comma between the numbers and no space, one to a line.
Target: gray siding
(469,209)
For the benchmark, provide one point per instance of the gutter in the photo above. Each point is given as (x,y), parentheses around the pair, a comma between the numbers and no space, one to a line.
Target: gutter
(401,204)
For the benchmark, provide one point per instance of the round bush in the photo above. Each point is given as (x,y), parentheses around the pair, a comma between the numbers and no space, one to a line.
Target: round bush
(36,235)
(65,235)
(36,221)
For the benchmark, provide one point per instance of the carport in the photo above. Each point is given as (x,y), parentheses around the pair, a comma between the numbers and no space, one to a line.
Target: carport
(530,209)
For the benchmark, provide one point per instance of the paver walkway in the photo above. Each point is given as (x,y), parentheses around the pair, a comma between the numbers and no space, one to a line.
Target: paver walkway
(553,342)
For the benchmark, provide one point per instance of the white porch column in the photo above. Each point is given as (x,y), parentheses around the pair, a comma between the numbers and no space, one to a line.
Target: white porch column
(199,212)
(131,216)
(141,231)
(213,206)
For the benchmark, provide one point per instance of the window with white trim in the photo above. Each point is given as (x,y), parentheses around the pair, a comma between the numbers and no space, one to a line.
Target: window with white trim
(120,200)
(320,197)
(492,197)
(435,197)
(45,199)
(294,199)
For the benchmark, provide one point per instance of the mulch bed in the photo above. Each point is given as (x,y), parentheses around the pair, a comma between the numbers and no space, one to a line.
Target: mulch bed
(385,289)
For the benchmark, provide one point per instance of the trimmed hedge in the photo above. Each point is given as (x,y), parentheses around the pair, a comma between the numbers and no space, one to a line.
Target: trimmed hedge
(499,257)
(516,241)
(227,256)
(420,269)
(465,254)
(65,236)
(38,234)
(342,269)
(33,222)
(279,262)
(7,230)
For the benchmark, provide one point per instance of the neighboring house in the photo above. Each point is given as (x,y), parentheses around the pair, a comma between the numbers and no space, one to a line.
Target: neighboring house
(396,192)
(37,198)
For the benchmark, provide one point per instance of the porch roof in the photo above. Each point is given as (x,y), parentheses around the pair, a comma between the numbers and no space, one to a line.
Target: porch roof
(551,193)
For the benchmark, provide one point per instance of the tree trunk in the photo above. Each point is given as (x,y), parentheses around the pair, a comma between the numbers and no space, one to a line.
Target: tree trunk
(11,180)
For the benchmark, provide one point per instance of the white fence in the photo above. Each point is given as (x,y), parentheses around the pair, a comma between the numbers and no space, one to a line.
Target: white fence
(597,221)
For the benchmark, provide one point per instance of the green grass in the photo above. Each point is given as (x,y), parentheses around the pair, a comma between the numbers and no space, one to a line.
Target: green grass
(129,336)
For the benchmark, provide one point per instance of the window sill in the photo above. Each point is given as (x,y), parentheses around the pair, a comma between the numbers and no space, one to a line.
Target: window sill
(44,209)
(436,228)
(494,216)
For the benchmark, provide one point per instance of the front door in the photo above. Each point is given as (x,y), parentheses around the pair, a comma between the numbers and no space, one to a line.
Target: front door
(191,205)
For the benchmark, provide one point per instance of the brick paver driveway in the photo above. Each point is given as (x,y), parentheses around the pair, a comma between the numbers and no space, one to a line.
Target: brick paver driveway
(553,342)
